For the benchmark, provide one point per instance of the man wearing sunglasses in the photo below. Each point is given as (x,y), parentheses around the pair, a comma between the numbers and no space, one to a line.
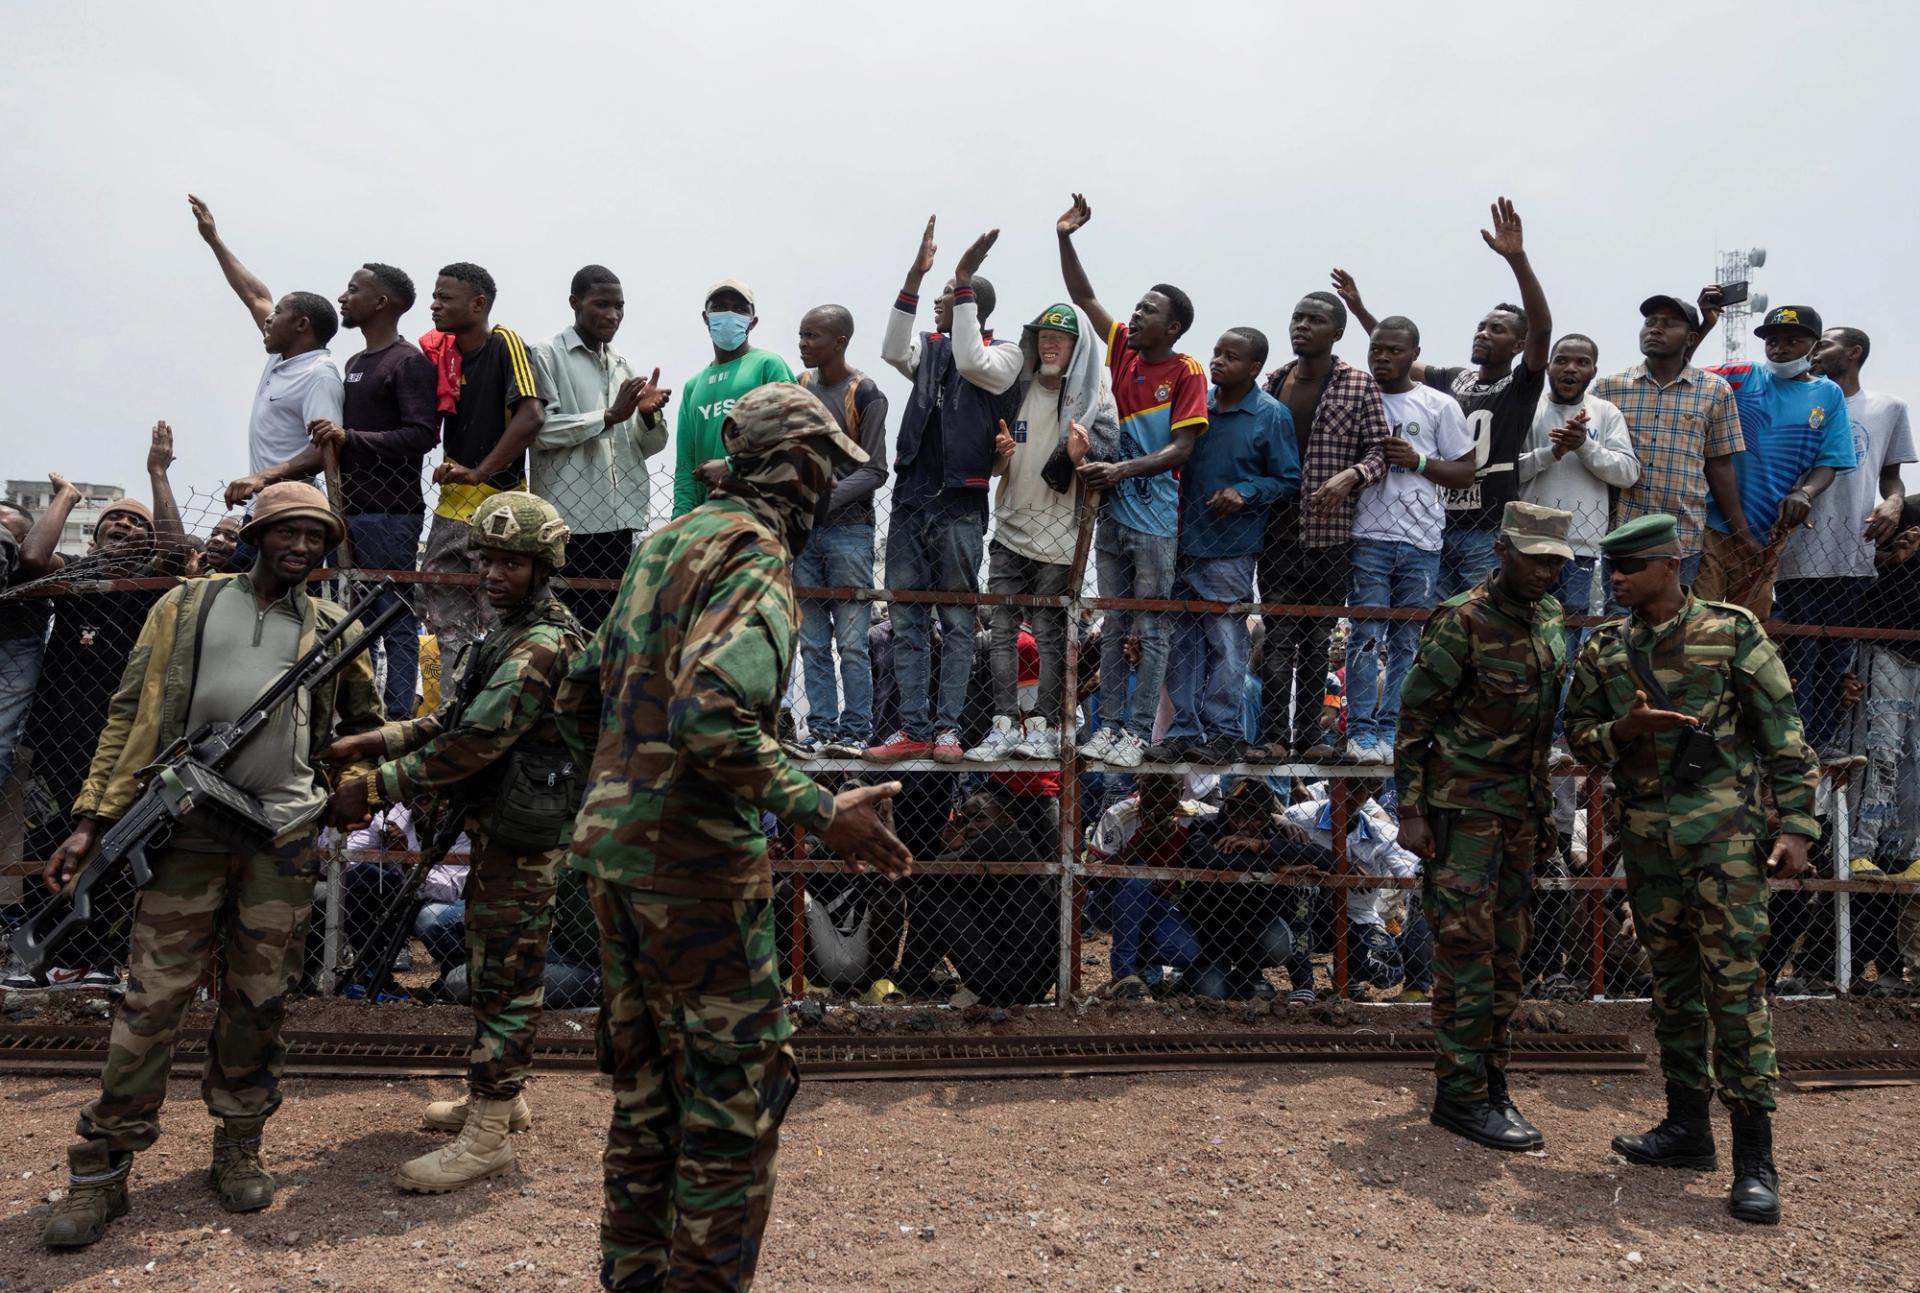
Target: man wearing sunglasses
(1689,703)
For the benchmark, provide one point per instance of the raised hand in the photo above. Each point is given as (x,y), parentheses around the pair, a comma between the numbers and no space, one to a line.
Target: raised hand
(1003,444)
(860,835)
(203,217)
(1506,238)
(61,485)
(1078,443)
(653,396)
(160,449)
(1346,289)
(923,259)
(1075,217)
(973,256)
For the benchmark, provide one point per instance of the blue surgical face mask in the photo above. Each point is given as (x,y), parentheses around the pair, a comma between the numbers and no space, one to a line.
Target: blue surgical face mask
(1791,369)
(728,330)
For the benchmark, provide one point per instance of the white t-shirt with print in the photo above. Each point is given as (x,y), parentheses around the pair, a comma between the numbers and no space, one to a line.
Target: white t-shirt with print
(1831,547)
(1405,507)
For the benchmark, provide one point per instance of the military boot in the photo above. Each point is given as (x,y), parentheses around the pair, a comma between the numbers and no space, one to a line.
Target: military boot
(451,1115)
(1756,1184)
(1684,1138)
(1502,1100)
(236,1175)
(96,1194)
(1479,1122)
(479,1151)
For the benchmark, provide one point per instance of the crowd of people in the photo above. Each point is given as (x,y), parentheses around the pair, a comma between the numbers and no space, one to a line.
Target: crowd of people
(1349,504)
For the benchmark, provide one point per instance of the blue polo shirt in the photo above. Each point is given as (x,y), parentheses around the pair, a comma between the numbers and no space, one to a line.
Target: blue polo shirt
(1786,429)
(1249,446)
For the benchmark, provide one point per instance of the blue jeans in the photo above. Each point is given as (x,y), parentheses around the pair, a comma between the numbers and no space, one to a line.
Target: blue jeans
(1466,558)
(1389,574)
(929,550)
(1207,665)
(19,674)
(1128,563)
(1817,665)
(837,556)
(1149,931)
(442,927)
(1689,571)
(1574,591)
(391,541)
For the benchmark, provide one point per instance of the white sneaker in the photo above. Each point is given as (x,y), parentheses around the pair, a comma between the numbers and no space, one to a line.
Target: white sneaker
(1038,741)
(1356,752)
(999,742)
(1127,751)
(1101,745)
(1380,755)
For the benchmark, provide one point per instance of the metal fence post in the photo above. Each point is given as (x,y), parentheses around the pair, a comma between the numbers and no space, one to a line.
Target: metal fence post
(1842,838)
(335,918)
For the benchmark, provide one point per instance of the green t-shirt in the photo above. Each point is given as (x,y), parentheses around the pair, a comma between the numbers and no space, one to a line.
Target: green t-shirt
(704,403)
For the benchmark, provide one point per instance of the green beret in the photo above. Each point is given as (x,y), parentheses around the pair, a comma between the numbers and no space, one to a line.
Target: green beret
(1656,535)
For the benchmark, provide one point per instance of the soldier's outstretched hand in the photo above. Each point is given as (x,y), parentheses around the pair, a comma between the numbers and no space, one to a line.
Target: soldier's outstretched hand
(1788,860)
(860,835)
(1643,718)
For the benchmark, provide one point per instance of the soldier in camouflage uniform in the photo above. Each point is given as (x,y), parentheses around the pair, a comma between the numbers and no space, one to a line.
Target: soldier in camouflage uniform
(493,731)
(1476,724)
(677,698)
(1689,704)
(248,629)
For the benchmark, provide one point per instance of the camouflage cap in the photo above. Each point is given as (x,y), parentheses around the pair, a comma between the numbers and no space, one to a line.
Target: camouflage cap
(772,415)
(292,500)
(1535,530)
(516,521)
(1655,535)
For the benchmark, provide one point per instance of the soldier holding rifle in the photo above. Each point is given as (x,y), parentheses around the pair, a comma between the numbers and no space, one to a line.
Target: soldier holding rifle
(207,652)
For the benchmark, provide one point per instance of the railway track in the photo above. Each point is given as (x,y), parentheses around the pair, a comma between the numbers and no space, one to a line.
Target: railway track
(48,1051)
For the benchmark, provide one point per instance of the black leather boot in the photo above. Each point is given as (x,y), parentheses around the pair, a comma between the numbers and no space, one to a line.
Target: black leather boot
(1684,1138)
(1501,1099)
(1479,1122)
(1755,1195)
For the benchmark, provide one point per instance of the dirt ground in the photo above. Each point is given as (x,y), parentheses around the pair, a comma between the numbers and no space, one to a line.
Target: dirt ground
(1282,1177)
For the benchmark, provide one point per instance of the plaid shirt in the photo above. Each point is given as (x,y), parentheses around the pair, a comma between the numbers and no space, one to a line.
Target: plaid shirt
(1675,429)
(1349,425)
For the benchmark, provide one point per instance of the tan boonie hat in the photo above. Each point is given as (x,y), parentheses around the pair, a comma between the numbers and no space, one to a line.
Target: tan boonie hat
(777,412)
(292,500)
(1536,531)
(735,285)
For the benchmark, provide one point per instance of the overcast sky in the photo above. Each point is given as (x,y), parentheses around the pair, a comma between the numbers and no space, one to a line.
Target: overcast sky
(1236,149)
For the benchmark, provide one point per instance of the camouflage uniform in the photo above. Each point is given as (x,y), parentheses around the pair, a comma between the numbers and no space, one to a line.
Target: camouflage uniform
(1476,722)
(253,905)
(1695,879)
(677,699)
(509,893)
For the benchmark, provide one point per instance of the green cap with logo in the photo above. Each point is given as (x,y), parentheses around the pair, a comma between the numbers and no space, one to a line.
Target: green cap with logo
(1535,530)
(1059,318)
(1654,535)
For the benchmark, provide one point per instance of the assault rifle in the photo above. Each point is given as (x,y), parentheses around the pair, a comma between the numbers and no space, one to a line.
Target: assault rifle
(186,780)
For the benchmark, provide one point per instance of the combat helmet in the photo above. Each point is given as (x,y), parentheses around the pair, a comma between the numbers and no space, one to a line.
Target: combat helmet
(516,521)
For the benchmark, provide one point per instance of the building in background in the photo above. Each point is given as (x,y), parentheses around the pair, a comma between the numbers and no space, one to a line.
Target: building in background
(37,495)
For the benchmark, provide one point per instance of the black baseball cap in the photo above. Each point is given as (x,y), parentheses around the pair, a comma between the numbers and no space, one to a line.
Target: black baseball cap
(1684,308)
(1791,318)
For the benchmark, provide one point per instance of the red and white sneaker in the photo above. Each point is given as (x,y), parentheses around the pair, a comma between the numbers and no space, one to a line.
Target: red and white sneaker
(899,746)
(947,747)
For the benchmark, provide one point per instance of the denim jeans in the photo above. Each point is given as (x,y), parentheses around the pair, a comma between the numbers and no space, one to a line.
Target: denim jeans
(1149,931)
(1128,563)
(1009,572)
(1466,558)
(837,556)
(1207,664)
(391,541)
(442,927)
(1886,825)
(1817,664)
(1389,574)
(19,674)
(940,551)
(1574,591)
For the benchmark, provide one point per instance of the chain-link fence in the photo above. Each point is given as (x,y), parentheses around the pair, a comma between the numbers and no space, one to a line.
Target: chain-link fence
(1131,762)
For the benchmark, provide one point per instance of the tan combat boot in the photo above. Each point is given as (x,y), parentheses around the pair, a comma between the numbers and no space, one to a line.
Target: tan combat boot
(236,1175)
(479,1151)
(451,1115)
(96,1194)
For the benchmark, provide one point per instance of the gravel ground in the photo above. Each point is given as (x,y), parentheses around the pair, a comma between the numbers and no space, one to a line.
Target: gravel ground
(1282,1177)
